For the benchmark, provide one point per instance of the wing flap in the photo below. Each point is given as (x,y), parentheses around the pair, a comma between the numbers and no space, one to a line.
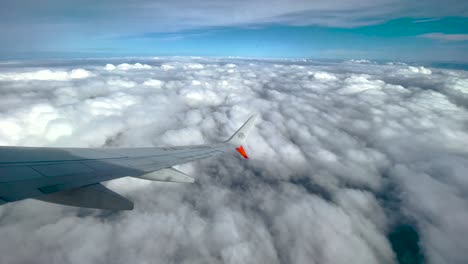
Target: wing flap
(167,175)
(92,196)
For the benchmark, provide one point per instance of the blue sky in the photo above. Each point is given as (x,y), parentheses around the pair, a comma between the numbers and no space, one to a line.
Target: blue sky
(399,39)
(359,29)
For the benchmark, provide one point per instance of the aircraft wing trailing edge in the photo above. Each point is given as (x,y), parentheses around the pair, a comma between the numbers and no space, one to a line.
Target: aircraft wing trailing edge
(72,176)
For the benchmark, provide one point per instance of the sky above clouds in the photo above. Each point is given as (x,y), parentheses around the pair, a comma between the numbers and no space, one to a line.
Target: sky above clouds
(385,29)
(351,162)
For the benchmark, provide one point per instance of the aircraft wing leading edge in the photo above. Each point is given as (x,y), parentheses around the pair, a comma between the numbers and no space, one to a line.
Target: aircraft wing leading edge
(72,176)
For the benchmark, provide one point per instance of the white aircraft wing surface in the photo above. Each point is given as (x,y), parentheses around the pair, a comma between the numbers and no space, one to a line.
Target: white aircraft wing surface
(72,176)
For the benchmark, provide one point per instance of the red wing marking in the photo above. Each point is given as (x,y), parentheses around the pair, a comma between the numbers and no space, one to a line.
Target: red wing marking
(242,152)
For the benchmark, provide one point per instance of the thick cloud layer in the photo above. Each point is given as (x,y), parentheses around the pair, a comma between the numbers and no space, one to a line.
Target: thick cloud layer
(343,154)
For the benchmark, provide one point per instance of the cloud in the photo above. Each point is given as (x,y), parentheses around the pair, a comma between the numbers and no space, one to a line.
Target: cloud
(426,20)
(44,75)
(324,76)
(153,82)
(342,154)
(445,37)
(126,66)
(416,70)
(360,61)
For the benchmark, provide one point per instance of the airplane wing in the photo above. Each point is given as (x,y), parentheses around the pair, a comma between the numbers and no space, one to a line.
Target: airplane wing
(72,176)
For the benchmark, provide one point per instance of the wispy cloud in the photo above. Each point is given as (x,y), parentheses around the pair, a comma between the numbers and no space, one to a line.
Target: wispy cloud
(445,37)
(425,20)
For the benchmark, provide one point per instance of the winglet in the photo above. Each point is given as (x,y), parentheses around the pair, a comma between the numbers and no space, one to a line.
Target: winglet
(238,138)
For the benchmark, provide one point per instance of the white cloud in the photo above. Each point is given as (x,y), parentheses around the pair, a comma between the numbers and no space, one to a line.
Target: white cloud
(341,155)
(58,128)
(421,70)
(195,66)
(110,67)
(360,61)
(167,67)
(79,74)
(324,76)
(46,75)
(153,82)
(121,83)
(127,66)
